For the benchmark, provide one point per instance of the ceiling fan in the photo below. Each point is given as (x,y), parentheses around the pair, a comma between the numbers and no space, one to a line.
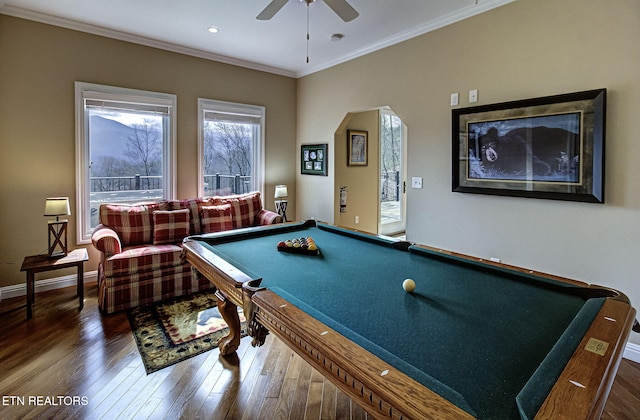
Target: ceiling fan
(340,7)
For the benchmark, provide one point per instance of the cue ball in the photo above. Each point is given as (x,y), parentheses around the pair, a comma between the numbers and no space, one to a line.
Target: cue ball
(409,285)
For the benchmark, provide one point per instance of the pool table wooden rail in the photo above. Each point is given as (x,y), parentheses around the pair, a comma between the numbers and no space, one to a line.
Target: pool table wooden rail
(587,389)
(382,390)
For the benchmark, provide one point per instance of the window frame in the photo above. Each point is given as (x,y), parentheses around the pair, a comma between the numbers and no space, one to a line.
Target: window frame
(91,91)
(258,158)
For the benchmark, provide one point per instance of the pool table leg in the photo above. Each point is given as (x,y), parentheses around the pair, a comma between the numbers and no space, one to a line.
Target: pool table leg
(230,343)
(255,329)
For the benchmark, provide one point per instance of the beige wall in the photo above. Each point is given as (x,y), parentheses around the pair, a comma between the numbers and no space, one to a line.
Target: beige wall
(361,181)
(38,67)
(525,49)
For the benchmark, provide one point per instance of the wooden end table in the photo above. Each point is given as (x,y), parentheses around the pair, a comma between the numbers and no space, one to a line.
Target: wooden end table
(40,263)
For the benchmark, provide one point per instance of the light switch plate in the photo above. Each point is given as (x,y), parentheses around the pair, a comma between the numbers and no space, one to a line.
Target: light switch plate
(416,182)
(454,99)
(473,95)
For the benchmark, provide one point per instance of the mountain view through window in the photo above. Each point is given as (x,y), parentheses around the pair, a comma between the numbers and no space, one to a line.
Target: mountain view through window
(126,158)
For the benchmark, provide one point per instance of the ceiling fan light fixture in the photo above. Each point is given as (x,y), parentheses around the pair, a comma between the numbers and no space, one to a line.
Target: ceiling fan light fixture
(342,8)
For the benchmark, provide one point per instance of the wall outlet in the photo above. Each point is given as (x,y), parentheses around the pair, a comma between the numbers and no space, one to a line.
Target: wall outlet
(357,219)
(416,182)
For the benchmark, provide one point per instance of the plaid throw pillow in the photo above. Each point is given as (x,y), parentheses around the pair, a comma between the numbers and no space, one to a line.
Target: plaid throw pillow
(216,218)
(132,223)
(193,205)
(170,226)
(244,208)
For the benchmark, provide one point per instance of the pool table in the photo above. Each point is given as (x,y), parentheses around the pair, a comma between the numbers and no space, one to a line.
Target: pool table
(475,339)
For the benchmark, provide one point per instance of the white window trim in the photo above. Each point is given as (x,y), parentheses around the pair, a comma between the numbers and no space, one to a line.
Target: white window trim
(95,91)
(205,105)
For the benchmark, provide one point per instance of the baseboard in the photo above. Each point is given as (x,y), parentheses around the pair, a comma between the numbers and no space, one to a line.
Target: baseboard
(44,285)
(631,351)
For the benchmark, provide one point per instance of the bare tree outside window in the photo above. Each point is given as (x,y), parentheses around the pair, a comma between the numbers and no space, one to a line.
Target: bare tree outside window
(126,157)
(391,145)
(228,157)
(230,145)
(125,143)
(144,149)
(228,148)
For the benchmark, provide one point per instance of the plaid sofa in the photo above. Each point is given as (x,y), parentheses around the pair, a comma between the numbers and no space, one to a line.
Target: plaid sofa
(141,245)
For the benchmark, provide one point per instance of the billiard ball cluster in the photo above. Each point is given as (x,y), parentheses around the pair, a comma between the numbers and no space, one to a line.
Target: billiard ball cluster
(299,245)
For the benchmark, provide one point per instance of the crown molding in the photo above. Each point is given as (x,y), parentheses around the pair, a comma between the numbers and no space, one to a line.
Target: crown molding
(481,6)
(75,25)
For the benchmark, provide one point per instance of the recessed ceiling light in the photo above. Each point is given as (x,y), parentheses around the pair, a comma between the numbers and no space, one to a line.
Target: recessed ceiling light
(213,29)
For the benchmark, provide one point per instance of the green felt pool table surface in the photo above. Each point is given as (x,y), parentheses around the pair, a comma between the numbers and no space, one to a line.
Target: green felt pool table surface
(490,339)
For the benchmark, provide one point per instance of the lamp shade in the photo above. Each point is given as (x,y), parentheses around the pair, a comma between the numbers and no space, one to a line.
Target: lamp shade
(57,206)
(281,191)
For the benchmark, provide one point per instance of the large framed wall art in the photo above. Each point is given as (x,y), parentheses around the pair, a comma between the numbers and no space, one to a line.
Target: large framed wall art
(550,147)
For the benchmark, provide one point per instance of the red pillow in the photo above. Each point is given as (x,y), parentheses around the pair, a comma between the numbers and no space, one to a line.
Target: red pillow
(170,226)
(193,205)
(216,218)
(244,208)
(132,223)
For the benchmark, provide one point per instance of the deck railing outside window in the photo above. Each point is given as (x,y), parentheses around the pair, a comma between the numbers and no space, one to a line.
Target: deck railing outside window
(390,186)
(217,184)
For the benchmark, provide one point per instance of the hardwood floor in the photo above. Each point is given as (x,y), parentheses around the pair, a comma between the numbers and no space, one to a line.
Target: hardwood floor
(69,364)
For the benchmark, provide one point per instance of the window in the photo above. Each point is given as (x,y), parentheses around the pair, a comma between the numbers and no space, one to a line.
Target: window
(230,144)
(125,149)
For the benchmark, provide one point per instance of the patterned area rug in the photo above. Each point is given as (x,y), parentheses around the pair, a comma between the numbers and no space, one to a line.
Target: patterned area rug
(171,331)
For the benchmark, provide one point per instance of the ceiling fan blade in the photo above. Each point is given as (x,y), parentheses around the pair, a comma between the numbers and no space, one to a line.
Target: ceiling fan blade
(271,9)
(343,9)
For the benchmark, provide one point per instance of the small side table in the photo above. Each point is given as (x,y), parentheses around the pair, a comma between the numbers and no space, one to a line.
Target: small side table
(40,263)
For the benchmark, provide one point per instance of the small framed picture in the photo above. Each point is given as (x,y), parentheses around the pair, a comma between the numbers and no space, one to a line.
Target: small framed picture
(357,144)
(313,159)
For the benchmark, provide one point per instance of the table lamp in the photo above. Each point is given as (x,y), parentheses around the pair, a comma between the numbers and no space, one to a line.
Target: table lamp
(57,206)
(281,201)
